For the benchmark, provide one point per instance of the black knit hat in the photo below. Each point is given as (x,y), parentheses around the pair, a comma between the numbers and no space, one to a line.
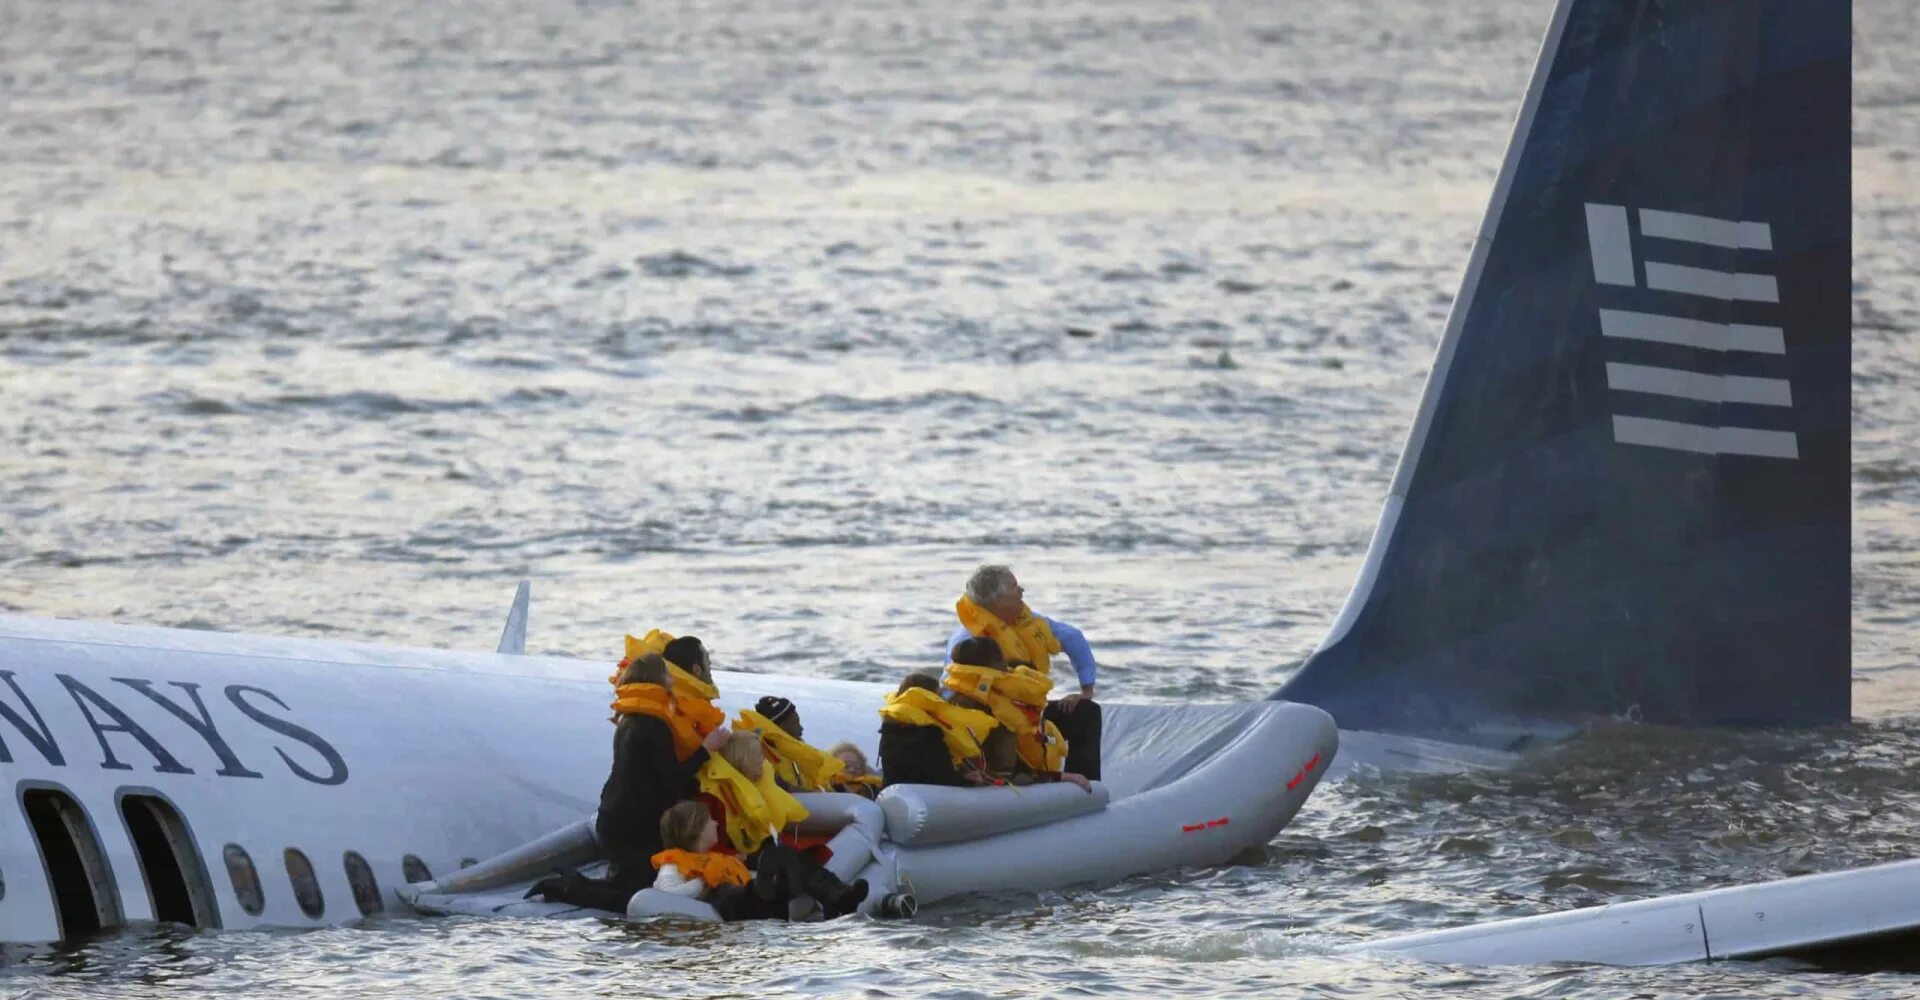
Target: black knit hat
(773,707)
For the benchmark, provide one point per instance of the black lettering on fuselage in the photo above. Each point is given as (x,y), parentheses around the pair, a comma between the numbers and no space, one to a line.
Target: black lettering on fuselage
(230,766)
(42,741)
(122,723)
(337,767)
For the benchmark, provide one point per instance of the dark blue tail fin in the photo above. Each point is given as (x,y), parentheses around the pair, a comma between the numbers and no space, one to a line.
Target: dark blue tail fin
(1627,488)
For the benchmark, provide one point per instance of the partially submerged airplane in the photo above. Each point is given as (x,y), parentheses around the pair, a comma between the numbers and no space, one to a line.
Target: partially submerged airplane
(1626,493)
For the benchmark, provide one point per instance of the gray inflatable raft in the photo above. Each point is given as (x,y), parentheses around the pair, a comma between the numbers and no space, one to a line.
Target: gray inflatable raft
(1185,785)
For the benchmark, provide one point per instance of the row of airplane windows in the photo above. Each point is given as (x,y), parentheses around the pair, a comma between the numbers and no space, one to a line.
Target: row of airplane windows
(85,891)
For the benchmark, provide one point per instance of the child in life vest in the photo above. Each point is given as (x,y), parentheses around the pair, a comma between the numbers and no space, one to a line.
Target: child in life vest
(690,867)
(750,813)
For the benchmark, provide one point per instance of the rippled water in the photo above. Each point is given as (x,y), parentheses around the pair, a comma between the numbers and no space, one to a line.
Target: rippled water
(767,321)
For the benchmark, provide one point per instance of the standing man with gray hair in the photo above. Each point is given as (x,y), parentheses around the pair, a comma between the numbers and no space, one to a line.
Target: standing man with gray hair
(994,606)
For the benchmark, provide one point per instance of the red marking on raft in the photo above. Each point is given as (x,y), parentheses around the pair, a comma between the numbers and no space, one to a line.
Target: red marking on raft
(1301,775)
(1189,828)
(1222,821)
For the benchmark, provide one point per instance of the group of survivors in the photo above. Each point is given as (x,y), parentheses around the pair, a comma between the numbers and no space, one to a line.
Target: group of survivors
(700,810)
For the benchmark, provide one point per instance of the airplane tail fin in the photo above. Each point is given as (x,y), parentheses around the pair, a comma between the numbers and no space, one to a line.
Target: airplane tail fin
(1627,491)
(513,639)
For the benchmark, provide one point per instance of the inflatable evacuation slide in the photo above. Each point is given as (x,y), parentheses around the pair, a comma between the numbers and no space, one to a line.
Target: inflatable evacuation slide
(1185,785)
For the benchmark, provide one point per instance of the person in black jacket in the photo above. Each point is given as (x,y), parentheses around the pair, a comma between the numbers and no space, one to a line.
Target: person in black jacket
(917,755)
(648,777)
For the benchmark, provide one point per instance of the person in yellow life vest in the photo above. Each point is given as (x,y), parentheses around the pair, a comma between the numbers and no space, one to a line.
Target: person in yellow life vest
(856,775)
(1026,747)
(994,607)
(752,813)
(797,766)
(691,680)
(689,866)
(739,790)
(927,740)
(649,775)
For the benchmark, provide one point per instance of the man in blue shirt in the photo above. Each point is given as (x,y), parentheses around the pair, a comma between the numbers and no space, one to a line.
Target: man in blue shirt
(994,606)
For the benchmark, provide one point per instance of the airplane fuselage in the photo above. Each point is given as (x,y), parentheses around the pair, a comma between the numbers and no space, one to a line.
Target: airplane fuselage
(241,781)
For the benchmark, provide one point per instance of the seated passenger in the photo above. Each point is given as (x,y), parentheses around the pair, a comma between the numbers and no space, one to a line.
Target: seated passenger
(693,688)
(753,815)
(690,867)
(745,800)
(993,606)
(1027,747)
(797,766)
(856,777)
(649,775)
(926,740)
(691,682)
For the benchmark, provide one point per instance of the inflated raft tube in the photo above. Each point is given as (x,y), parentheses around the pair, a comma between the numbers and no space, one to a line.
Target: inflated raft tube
(1221,781)
(922,815)
(652,904)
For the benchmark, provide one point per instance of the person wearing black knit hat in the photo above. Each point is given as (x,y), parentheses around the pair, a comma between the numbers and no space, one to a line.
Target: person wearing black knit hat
(780,712)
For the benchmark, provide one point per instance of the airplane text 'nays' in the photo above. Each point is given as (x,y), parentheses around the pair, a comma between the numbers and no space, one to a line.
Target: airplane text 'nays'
(111,714)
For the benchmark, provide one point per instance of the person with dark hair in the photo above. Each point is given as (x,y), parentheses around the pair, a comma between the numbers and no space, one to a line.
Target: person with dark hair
(926,740)
(647,778)
(690,654)
(781,712)
(797,765)
(994,607)
(694,692)
(1026,747)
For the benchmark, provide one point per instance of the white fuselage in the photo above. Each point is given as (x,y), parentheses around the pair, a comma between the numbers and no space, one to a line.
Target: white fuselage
(321,747)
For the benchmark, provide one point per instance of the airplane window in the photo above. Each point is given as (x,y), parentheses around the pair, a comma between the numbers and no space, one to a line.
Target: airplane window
(469,862)
(366,891)
(177,882)
(306,888)
(246,879)
(415,869)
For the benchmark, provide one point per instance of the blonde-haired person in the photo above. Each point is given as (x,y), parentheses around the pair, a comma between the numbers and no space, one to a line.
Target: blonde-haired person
(856,776)
(750,812)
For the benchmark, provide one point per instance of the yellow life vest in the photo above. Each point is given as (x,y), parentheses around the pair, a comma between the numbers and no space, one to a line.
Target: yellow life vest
(755,810)
(1042,748)
(868,785)
(655,641)
(1016,698)
(653,700)
(1029,638)
(793,762)
(961,728)
(716,868)
(641,699)
(694,715)
(693,700)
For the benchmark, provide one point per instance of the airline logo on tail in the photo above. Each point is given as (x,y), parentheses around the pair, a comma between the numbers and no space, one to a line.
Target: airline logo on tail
(1665,234)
